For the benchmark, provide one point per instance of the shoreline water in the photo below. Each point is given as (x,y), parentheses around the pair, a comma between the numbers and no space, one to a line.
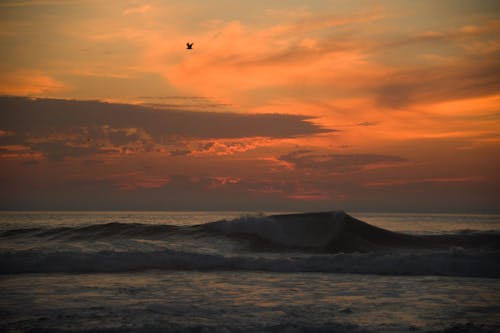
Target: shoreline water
(165,272)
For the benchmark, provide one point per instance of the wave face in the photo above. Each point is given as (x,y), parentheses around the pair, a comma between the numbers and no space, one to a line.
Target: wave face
(329,242)
(113,229)
(313,230)
(340,232)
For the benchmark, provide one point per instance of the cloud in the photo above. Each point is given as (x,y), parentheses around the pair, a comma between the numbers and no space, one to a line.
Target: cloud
(120,137)
(453,64)
(37,115)
(228,147)
(459,80)
(71,128)
(368,123)
(137,10)
(25,82)
(33,3)
(315,50)
(338,163)
(59,150)
(183,102)
(180,152)
(314,57)
(461,35)
(436,180)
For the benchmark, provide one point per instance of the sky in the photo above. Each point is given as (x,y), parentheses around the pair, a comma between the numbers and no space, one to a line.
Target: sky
(384,106)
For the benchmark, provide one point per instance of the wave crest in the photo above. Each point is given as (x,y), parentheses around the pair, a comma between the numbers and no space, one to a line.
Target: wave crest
(313,230)
(340,232)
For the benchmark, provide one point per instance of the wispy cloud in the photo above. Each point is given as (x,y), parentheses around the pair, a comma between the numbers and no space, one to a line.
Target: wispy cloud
(28,82)
(35,3)
(461,35)
(435,180)
(137,10)
(339,163)
(432,84)
(368,123)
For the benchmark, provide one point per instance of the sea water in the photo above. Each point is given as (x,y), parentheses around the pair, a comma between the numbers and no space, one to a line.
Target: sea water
(183,272)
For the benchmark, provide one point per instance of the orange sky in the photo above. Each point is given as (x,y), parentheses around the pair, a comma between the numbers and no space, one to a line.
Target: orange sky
(356,105)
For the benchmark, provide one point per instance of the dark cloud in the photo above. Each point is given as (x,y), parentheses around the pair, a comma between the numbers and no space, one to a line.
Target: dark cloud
(183,102)
(119,138)
(174,97)
(58,150)
(206,146)
(306,159)
(70,128)
(11,139)
(22,115)
(180,152)
(176,106)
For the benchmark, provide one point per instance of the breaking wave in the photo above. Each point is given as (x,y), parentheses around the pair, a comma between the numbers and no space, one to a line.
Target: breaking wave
(330,242)
(325,232)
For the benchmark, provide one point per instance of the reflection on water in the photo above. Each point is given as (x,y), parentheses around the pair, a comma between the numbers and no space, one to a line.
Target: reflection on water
(245,300)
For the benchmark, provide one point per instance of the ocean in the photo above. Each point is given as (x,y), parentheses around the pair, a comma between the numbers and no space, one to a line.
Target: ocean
(249,272)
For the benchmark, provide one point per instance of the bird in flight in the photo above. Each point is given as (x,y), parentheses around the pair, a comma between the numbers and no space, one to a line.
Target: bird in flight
(189,46)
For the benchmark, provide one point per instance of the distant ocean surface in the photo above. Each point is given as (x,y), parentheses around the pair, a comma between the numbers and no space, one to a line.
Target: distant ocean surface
(248,272)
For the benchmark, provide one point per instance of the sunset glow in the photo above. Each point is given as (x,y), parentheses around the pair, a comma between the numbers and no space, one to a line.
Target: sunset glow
(357,105)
